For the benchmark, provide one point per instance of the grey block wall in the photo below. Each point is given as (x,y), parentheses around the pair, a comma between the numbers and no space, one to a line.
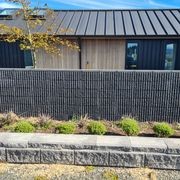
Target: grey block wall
(147,95)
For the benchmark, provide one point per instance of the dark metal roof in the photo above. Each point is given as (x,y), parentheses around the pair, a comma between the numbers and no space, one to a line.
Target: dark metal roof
(133,23)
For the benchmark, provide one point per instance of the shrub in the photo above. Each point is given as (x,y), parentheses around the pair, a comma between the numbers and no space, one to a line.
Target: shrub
(8,118)
(44,121)
(66,128)
(130,126)
(163,129)
(24,127)
(95,127)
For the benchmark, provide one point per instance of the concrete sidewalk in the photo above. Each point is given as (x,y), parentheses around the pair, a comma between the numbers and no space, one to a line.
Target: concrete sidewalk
(118,151)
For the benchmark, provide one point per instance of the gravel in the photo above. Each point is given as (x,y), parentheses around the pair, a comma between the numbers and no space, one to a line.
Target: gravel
(68,172)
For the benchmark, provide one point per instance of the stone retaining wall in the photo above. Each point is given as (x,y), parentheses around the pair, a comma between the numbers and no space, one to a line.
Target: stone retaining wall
(90,150)
(147,95)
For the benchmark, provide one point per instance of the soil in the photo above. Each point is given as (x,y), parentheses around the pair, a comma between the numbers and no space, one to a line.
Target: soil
(112,126)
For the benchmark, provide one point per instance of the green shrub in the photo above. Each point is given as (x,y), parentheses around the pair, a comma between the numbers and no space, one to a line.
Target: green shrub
(66,128)
(163,129)
(24,127)
(95,127)
(130,126)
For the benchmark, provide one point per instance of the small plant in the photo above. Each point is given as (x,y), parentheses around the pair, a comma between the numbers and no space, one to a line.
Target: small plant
(110,175)
(163,129)
(8,118)
(130,126)
(40,178)
(66,128)
(95,127)
(89,169)
(44,121)
(24,127)
(75,118)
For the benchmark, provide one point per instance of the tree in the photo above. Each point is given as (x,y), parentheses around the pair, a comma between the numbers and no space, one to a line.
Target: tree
(28,37)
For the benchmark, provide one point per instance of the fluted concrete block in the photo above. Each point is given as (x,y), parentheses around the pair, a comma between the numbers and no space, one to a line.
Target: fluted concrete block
(57,156)
(21,155)
(89,157)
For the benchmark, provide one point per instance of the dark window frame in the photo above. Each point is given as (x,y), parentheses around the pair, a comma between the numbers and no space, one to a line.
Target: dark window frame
(126,51)
(166,42)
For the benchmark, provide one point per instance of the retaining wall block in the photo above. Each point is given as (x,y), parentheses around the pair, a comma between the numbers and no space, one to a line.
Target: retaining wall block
(57,156)
(123,159)
(162,161)
(20,155)
(89,157)
(2,155)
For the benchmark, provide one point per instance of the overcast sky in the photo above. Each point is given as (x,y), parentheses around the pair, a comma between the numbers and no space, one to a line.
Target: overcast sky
(101,4)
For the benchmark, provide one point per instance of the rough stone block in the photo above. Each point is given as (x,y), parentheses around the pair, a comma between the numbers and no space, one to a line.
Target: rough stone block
(162,161)
(173,146)
(57,156)
(124,159)
(89,157)
(23,155)
(2,154)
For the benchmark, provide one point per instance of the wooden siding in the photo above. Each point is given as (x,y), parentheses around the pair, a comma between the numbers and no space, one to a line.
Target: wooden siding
(68,60)
(103,54)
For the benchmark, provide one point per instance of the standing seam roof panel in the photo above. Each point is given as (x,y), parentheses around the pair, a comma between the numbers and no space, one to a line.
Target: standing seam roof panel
(65,23)
(177,15)
(137,23)
(173,21)
(119,26)
(74,23)
(129,30)
(110,23)
(156,24)
(83,23)
(101,24)
(167,26)
(51,20)
(146,23)
(58,20)
(92,23)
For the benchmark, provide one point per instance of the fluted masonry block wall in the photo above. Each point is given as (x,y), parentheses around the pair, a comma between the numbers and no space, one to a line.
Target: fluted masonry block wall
(146,95)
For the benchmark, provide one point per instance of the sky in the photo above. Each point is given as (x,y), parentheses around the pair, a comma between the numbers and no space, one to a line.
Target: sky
(100,4)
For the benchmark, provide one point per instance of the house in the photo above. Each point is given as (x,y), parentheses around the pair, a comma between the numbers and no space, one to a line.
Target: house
(109,39)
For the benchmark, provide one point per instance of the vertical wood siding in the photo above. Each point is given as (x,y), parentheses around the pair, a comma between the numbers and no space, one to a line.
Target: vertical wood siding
(68,60)
(11,56)
(103,54)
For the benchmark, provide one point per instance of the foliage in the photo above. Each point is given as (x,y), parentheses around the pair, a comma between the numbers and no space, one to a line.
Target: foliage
(24,127)
(66,128)
(28,37)
(40,178)
(75,118)
(110,175)
(44,121)
(89,169)
(163,129)
(95,127)
(130,126)
(7,119)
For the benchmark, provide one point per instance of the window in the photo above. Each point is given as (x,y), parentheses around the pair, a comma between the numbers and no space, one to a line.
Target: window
(38,14)
(7,14)
(170,56)
(131,55)
(28,59)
